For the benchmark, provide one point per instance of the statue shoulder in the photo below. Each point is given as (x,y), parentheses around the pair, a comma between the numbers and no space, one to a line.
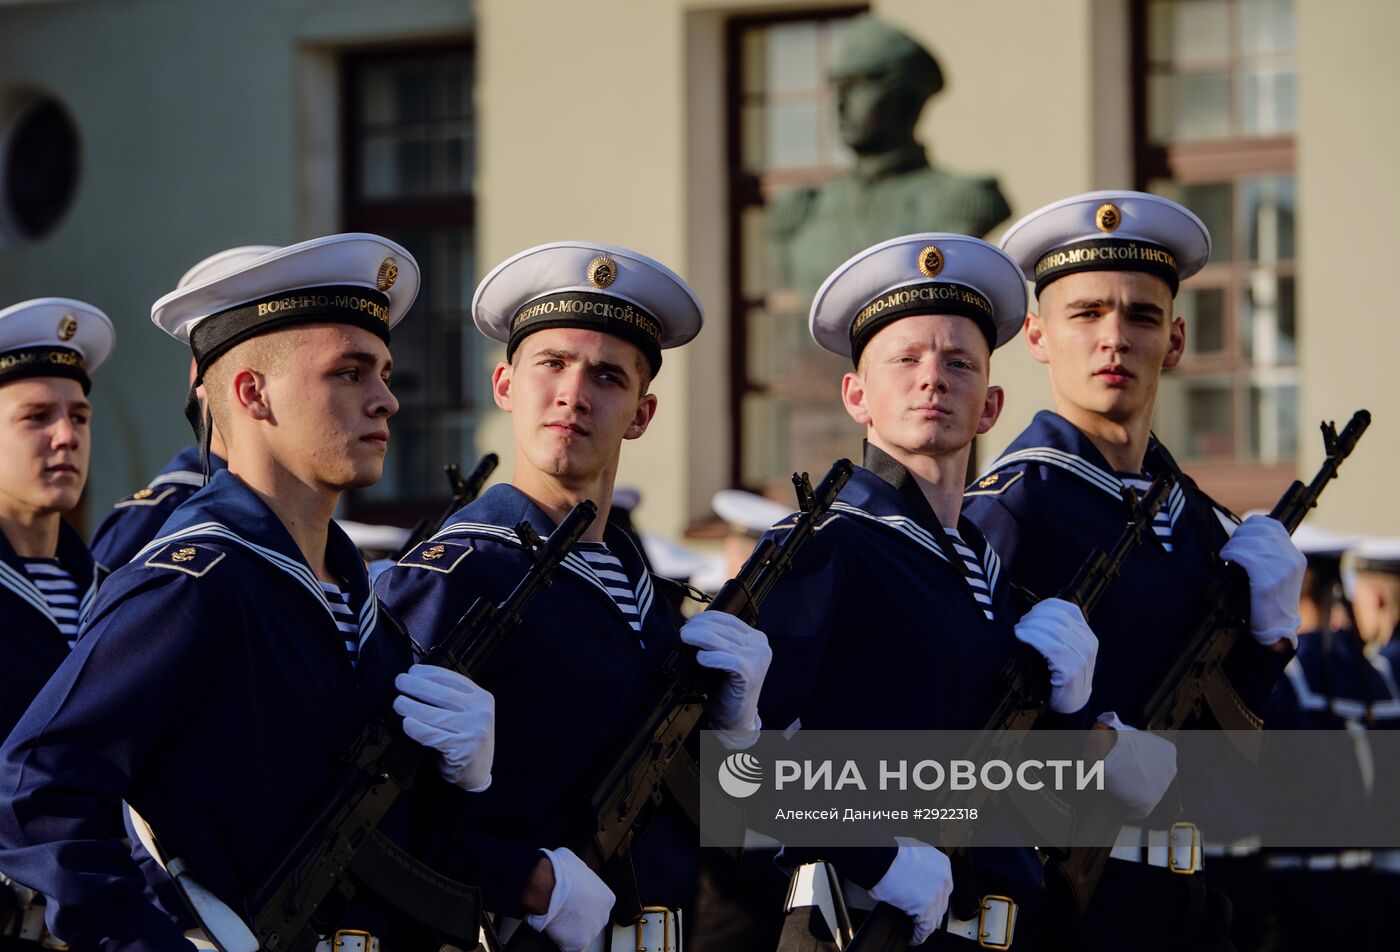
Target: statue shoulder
(974,202)
(789,211)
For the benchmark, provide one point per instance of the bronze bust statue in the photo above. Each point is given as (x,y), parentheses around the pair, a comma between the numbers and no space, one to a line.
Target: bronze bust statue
(882,78)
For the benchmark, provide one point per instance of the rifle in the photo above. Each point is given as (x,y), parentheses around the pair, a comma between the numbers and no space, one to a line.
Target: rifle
(1195,678)
(655,754)
(343,837)
(1027,678)
(464,490)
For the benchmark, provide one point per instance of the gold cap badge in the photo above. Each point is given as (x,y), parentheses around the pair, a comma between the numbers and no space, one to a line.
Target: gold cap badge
(67,327)
(1107,217)
(434,553)
(388,274)
(931,261)
(602,271)
(185,554)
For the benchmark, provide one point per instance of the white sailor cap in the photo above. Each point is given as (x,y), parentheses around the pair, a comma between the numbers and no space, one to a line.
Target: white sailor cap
(670,559)
(1319,543)
(222,262)
(592,286)
(1375,555)
(1110,230)
(626,498)
(362,280)
(54,337)
(372,538)
(748,513)
(926,273)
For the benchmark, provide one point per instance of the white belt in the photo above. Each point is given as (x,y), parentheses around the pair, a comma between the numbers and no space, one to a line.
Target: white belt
(1385,861)
(1347,859)
(1244,846)
(1177,849)
(349,940)
(994,926)
(31,919)
(658,929)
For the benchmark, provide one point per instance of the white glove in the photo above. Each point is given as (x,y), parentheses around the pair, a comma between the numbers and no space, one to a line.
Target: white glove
(447,712)
(918,883)
(742,653)
(579,905)
(1057,629)
(1139,768)
(1262,548)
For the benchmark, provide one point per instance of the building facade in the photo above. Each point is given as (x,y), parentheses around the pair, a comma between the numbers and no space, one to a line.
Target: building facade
(676,127)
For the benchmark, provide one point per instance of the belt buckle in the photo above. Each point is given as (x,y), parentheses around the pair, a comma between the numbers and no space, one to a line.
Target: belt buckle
(1183,826)
(338,940)
(983,936)
(665,913)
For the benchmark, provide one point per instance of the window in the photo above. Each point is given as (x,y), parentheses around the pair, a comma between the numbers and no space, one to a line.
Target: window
(1217,112)
(408,175)
(39,163)
(784,401)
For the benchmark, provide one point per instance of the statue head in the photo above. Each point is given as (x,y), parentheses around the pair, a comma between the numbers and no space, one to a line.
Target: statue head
(881,78)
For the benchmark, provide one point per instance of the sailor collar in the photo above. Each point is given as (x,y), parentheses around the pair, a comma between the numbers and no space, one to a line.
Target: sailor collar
(883,492)
(186,469)
(72,554)
(495,513)
(1052,440)
(228,512)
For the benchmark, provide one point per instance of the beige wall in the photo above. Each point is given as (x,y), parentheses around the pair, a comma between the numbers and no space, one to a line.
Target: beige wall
(1349,206)
(605,121)
(608,124)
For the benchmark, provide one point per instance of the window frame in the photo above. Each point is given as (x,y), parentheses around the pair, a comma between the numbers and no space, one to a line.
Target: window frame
(398,213)
(1239,482)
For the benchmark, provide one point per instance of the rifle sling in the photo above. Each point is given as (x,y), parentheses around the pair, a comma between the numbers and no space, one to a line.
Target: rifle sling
(440,904)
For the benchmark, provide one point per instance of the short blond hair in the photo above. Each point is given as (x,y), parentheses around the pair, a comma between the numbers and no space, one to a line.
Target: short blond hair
(267,354)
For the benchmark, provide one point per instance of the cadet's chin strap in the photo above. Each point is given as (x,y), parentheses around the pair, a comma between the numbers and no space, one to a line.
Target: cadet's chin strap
(201,422)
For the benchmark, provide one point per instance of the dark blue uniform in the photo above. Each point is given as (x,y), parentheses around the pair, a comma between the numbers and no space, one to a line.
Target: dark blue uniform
(135,520)
(32,647)
(1048,502)
(212,691)
(568,683)
(876,627)
(1331,685)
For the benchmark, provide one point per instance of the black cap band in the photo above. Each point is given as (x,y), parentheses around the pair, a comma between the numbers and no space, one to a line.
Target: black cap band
(1365,563)
(332,304)
(928,297)
(44,362)
(590,311)
(1107,254)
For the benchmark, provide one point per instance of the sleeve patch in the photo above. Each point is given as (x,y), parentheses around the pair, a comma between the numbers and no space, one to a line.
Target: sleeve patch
(145,497)
(195,560)
(993,484)
(441,557)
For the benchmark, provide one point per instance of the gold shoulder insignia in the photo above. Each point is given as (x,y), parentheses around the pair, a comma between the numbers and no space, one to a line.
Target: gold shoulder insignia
(993,485)
(145,497)
(187,557)
(438,556)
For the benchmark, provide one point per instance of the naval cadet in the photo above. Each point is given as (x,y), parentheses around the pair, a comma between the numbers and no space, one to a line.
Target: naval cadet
(584,326)
(134,520)
(1371,577)
(1106,267)
(1338,681)
(47,349)
(226,668)
(897,614)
